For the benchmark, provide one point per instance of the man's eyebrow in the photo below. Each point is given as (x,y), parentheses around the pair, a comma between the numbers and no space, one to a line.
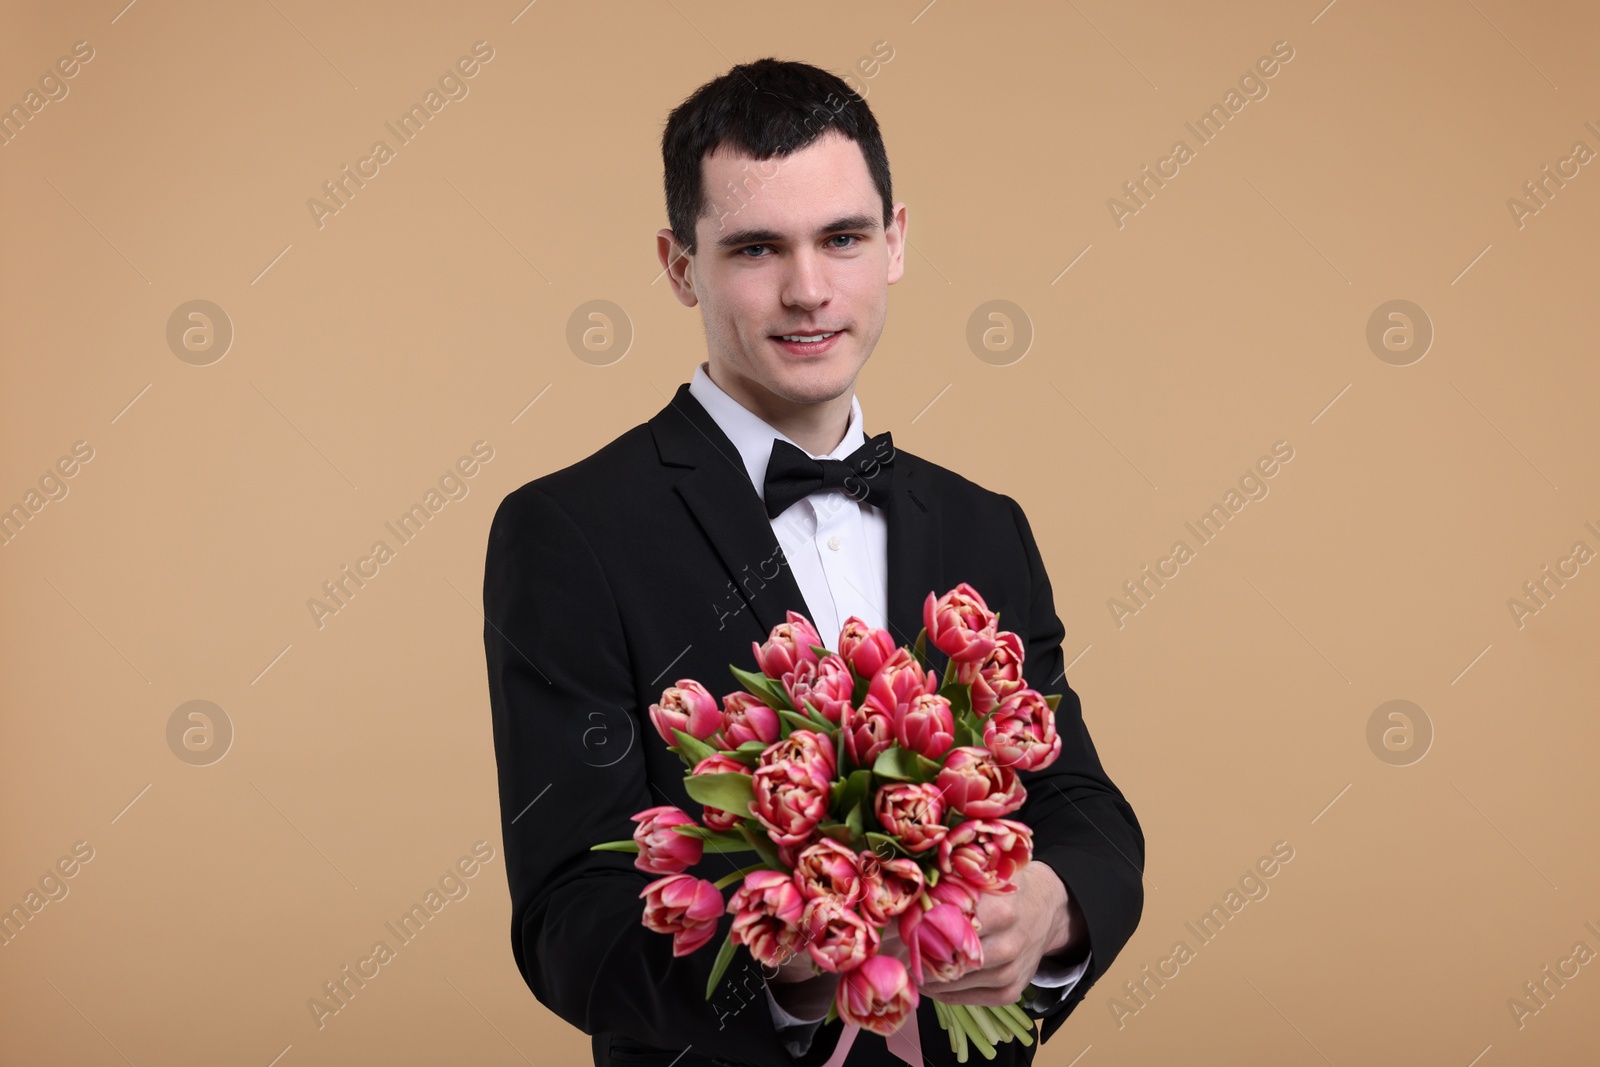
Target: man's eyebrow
(754,236)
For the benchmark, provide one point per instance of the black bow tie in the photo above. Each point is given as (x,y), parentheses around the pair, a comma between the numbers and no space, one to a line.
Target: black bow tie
(863,475)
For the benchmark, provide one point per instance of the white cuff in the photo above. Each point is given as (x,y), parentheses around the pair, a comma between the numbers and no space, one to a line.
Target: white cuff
(1058,980)
(1053,974)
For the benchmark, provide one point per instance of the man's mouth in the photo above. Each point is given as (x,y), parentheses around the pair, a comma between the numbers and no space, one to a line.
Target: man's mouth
(805,338)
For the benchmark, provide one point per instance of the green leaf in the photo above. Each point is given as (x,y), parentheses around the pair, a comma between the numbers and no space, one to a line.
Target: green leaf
(895,762)
(919,650)
(727,791)
(959,696)
(964,733)
(839,832)
(795,719)
(724,957)
(718,841)
(820,651)
(904,765)
(853,820)
(629,845)
(754,681)
(692,747)
(849,793)
(720,847)
(860,692)
(878,840)
(749,759)
(817,718)
(1053,699)
(770,690)
(756,835)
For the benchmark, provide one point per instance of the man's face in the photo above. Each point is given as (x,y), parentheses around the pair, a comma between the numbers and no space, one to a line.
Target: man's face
(791,246)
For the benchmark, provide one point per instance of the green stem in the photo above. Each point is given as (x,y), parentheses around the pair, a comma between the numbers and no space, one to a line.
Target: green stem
(762,844)
(957,1032)
(1022,1018)
(726,881)
(1005,1018)
(993,1032)
(974,1031)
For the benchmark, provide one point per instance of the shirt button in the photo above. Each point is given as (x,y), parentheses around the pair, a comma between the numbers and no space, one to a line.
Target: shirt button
(833,542)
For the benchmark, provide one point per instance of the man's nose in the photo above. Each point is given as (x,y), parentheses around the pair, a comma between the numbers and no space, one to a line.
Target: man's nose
(807,284)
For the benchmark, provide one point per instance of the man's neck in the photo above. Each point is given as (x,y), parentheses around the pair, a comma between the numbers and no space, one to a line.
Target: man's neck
(818,428)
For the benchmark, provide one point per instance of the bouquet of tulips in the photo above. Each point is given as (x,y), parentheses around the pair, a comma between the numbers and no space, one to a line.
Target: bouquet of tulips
(869,791)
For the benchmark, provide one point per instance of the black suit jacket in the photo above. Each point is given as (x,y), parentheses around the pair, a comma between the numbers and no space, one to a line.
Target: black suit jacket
(653,560)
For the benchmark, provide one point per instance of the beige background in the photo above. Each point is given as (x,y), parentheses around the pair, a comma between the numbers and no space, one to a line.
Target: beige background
(430,313)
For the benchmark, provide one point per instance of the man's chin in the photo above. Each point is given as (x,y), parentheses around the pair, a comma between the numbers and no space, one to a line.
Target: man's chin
(814,385)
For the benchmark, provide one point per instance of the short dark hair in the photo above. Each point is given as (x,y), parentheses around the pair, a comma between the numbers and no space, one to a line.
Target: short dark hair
(767,108)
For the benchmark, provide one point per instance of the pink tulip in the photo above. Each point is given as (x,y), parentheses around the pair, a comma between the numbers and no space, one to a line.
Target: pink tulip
(888,887)
(867,731)
(790,800)
(899,679)
(942,943)
(912,812)
(662,850)
(840,940)
(987,853)
(865,648)
(925,725)
(826,684)
(746,718)
(829,869)
(717,763)
(960,624)
(996,676)
(789,855)
(978,787)
(687,707)
(878,996)
(789,643)
(1021,732)
(809,748)
(685,907)
(767,912)
(953,890)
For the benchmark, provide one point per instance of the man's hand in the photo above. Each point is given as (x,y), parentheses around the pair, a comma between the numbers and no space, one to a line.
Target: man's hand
(1016,930)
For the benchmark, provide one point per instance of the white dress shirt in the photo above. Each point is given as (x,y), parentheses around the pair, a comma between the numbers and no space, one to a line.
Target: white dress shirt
(838,551)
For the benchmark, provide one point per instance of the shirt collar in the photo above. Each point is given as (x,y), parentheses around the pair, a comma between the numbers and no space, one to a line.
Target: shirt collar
(753,436)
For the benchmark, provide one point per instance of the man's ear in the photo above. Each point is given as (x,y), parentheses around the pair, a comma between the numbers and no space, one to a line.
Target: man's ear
(895,238)
(678,266)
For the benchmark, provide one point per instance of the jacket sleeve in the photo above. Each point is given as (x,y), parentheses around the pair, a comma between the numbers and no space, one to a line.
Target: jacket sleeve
(569,738)
(1083,827)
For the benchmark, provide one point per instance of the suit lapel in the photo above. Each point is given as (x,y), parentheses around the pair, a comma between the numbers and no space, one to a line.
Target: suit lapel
(727,508)
(916,557)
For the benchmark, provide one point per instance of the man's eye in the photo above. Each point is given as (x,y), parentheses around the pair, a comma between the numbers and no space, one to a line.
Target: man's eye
(747,248)
(845,236)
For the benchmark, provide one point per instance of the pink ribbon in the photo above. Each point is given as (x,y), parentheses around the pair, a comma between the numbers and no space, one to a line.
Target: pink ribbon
(906,1043)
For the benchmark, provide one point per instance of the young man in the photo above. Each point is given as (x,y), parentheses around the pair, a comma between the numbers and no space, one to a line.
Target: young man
(667,552)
